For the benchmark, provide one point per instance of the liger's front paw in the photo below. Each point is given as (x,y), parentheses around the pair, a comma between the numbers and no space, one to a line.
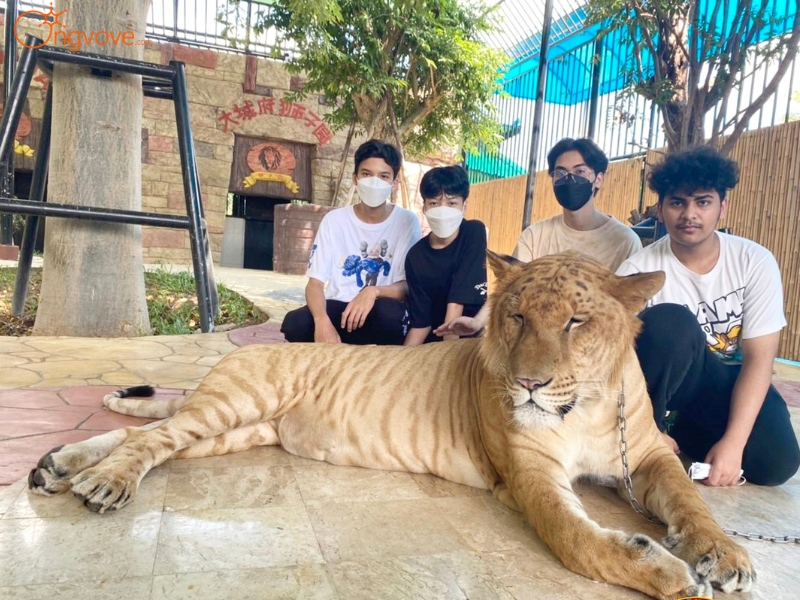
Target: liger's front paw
(49,477)
(101,489)
(719,559)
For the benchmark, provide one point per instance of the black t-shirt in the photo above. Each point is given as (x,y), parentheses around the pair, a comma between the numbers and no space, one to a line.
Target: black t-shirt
(456,273)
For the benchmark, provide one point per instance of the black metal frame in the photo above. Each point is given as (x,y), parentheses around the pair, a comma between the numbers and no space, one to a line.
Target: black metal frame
(158,81)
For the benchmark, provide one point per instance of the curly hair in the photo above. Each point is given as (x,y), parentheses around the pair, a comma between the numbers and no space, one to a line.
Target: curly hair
(693,169)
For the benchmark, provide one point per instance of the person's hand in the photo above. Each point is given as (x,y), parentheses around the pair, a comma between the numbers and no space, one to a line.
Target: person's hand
(459,326)
(673,445)
(356,312)
(725,458)
(325,332)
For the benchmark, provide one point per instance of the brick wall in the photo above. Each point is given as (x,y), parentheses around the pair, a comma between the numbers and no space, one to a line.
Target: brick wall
(295,228)
(219,84)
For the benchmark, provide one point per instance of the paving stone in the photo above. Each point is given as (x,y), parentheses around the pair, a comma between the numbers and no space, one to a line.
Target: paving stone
(17,378)
(30,399)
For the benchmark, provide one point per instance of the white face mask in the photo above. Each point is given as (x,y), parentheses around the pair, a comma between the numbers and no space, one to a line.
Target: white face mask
(373,191)
(444,220)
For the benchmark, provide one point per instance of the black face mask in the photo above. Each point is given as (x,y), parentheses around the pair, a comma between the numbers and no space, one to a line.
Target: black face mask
(574,192)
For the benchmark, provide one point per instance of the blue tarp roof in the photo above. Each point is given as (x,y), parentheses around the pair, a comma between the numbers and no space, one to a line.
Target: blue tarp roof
(494,165)
(570,59)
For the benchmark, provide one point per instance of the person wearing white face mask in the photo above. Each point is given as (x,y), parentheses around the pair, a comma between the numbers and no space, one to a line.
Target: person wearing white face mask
(356,287)
(446,270)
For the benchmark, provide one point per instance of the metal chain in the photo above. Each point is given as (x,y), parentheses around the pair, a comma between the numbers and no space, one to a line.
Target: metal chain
(778,539)
(626,478)
(623,451)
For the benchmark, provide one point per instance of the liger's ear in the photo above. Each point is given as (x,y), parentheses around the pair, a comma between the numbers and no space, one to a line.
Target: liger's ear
(633,291)
(502,264)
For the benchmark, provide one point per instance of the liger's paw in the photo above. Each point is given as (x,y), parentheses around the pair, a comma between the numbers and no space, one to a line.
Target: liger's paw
(701,589)
(50,476)
(101,489)
(719,559)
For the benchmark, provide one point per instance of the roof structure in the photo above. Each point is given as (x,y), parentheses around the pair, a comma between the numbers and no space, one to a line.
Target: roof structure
(573,52)
(569,33)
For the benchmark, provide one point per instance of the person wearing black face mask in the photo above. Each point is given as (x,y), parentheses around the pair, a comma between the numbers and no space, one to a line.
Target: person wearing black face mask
(573,191)
(577,168)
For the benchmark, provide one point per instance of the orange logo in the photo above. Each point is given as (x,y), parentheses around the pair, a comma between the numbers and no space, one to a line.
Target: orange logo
(74,39)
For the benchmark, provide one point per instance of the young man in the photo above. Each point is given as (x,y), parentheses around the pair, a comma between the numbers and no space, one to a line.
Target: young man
(577,168)
(710,336)
(446,270)
(356,272)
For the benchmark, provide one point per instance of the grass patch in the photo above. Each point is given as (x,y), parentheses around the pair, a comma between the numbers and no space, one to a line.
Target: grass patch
(171,303)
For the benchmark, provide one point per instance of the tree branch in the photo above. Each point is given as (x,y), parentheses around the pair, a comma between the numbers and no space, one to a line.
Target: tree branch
(418,114)
(769,90)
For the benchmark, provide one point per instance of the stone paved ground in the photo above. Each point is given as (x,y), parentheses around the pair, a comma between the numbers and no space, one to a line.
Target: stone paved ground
(263,523)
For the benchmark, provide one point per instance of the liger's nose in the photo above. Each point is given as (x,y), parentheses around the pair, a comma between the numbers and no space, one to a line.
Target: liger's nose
(531,384)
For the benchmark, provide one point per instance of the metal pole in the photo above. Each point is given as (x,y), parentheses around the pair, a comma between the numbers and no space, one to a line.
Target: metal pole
(38,183)
(537,113)
(594,103)
(191,190)
(175,20)
(15,102)
(7,164)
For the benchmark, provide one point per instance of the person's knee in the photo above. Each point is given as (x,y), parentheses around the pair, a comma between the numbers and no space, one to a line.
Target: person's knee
(298,326)
(779,469)
(389,319)
(670,326)
(777,474)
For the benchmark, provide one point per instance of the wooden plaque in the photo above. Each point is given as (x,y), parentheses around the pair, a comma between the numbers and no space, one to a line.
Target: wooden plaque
(274,168)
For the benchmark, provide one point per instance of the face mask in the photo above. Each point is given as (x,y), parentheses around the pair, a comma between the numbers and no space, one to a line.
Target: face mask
(574,193)
(373,191)
(444,220)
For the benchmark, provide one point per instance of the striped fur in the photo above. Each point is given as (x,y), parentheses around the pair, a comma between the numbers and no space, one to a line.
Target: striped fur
(522,412)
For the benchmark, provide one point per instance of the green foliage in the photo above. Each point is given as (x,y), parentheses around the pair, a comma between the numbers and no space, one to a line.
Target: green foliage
(171,303)
(795,115)
(408,68)
(173,309)
(688,64)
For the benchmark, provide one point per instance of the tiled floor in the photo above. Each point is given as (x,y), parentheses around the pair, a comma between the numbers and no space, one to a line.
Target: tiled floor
(263,524)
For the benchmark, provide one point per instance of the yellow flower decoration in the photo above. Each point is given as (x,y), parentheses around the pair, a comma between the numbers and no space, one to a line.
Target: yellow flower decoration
(23,149)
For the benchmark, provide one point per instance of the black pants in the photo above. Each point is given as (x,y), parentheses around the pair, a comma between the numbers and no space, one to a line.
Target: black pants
(386,324)
(683,375)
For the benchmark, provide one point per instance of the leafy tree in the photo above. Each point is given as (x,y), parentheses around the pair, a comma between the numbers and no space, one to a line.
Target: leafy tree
(688,58)
(411,72)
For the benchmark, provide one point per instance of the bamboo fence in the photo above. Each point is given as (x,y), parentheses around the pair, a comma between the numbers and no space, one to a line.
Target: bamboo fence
(764,206)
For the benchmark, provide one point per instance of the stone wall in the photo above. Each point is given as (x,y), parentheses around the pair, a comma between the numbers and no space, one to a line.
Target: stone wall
(228,94)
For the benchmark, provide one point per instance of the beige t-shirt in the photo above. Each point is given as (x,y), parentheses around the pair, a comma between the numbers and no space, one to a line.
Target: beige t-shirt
(611,243)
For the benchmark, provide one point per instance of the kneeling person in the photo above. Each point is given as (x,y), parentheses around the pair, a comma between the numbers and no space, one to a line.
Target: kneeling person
(446,270)
(356,287)
(710,336)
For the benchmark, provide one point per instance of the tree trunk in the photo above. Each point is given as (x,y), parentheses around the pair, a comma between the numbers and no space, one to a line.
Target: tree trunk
(93,280)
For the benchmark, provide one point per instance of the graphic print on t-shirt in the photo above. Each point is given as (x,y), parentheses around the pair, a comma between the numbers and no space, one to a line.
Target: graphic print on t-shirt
(721,321)
(311,256)
(370,261)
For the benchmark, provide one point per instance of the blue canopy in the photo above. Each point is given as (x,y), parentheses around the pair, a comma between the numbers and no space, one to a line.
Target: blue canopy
(570,59)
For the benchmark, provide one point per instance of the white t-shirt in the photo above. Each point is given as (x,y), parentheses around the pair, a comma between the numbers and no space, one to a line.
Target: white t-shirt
(740,298)
(610,244)
(349,254)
